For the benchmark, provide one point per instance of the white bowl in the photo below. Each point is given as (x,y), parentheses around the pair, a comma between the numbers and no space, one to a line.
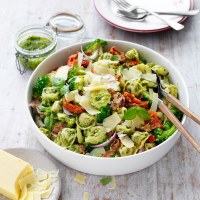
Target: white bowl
(96,165)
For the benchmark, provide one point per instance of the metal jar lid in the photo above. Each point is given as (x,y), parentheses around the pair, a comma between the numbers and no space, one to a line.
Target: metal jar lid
(65,24)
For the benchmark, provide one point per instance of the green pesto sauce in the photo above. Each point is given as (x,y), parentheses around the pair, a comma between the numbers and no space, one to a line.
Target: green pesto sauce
(33,43)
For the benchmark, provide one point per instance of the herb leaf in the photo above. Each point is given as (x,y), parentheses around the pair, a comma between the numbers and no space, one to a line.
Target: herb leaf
(105,181)
(132,112)
(48,121)
(142,112)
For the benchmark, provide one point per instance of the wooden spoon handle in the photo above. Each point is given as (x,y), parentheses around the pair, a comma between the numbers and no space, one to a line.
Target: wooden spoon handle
(183,108)
(178,125)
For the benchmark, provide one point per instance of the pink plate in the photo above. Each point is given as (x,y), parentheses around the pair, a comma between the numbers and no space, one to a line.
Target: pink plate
(107,10)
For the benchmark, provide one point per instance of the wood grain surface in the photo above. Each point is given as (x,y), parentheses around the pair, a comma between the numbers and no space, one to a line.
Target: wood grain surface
(177,175)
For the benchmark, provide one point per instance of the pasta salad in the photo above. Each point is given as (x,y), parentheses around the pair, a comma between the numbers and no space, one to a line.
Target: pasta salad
(104,102)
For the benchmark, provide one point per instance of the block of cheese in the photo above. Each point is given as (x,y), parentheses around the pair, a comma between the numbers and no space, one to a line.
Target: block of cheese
(14,173)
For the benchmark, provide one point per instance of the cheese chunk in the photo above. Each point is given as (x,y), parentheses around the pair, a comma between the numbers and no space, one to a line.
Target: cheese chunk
(80,178)
(62,72)
(12,170)
(111,121)
(26,180)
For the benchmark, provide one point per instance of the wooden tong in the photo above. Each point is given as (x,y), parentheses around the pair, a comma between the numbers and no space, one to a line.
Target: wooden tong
(173,118)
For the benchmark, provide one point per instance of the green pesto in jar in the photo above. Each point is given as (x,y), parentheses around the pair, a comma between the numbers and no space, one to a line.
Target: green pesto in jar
(33,43)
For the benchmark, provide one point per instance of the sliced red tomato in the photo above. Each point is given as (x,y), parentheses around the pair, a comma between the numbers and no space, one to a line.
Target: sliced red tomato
(85,63)
(115,51)
(72,108)
(133,62)
(73,60)
(151,138)
(153,123)
(131,100)
(113,148)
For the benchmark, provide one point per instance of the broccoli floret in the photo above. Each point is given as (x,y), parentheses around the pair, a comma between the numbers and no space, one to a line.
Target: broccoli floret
(50,94)
(167,123)
(76,83)
(64,90)
(105,111)
(58,82)
(176,111)
(93,46)
(41,83)
(132,54)
(162,135)
(76,71)
(146,97)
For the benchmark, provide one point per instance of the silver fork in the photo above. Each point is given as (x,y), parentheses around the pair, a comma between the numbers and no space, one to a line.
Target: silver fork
(137,15)
(123,4)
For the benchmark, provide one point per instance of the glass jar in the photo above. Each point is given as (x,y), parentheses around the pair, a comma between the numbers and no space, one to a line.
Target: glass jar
(30,59)
(64,25)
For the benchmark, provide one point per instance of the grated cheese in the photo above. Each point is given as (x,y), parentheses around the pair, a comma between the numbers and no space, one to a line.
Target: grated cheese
(42,187)
(41,174)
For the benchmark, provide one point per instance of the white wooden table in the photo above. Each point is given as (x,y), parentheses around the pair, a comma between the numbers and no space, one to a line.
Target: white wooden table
(177,175)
